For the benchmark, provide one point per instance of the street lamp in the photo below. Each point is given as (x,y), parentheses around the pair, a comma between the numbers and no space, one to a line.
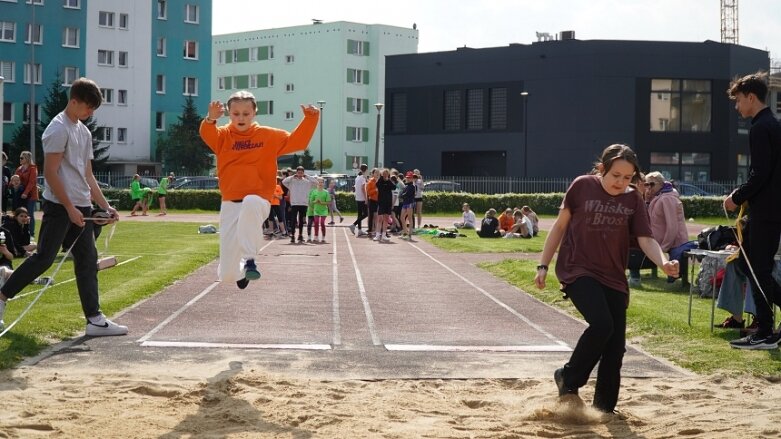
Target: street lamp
(321,104)
(525,95)
(378,106)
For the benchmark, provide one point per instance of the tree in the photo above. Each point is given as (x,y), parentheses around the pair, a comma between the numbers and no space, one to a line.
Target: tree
(327,164)
(182,147)
(307,161)
(56,100)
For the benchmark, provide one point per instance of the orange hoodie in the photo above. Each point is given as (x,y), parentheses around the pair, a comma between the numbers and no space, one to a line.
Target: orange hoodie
(247,161)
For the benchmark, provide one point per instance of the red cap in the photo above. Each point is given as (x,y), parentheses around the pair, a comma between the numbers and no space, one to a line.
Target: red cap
(409,174)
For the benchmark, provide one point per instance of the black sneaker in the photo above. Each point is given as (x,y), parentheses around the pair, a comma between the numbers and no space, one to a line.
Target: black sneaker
(300,238)
(292,239)
(251,270)
(242,283)
(730,322)
(558,377)
(756,342)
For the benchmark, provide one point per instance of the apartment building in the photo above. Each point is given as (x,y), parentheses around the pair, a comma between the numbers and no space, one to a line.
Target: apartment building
(339,66)
(147,56)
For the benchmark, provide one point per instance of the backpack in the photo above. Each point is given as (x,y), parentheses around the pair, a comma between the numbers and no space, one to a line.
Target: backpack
(717,237)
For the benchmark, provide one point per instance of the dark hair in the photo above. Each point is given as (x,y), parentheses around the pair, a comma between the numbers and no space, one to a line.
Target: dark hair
(755,83)
(87,91)
(19,211)
(364,167)
(614,152)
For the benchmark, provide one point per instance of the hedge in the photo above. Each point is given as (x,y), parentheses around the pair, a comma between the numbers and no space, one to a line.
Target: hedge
(545,204)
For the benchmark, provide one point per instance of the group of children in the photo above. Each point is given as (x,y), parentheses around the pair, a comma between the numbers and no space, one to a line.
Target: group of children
(143,197)
(391,204)
(521,222)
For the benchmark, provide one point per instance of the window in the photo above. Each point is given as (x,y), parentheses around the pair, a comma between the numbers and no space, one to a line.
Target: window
(289,115)
(69,74)
(685,166)
(357,134)
(290,59)
(360,48)
(189,86)
(265,107)
(108,95)
(290,87)
(680,105)
(70,37)
(8,70)
(159,121)
(497,120)
(7,31)
(398,110)
(191,14)
(161,46)
(105,57)
(121,135)
(162,9)
(121,97)
(190,49)
(221,57)
(221,83)
(33,71)
(35,2)
(8,112)
(122,59)
(355,76)
(474,109)
(262,80)
(26,113)
(105,19)
(105,134)
(71,4)
(124,20)
(160,84)
(34,34)
(357,105)
(452,110)
(778,102)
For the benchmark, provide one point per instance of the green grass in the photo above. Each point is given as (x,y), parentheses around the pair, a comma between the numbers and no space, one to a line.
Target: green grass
(168,251)
(471,243)
(657,321)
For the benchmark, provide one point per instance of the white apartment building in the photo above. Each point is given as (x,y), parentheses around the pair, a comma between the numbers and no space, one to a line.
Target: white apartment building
(341,64)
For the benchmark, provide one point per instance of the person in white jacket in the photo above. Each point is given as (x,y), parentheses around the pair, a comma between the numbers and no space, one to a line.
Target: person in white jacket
(298,186)
(468,220)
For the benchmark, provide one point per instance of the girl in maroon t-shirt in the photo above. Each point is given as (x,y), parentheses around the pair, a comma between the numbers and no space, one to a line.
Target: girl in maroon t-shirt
(596,218)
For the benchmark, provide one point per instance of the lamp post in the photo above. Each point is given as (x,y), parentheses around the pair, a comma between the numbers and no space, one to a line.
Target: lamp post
(321,104)
(525,95)
(378,106)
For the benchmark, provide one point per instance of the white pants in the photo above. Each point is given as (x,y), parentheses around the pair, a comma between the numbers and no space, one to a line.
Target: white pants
(241,234)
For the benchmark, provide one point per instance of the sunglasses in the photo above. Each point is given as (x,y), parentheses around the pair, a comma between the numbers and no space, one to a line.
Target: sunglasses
(651,184)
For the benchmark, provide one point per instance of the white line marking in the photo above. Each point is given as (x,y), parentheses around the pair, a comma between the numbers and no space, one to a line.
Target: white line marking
(366,308)
(497,301)
(198,344)
(178,311)
(335,306)
(444,348)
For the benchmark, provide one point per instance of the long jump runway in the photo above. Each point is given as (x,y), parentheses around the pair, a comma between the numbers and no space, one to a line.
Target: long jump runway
(353,308)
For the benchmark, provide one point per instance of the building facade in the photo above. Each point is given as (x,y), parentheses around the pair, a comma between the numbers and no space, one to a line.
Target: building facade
(147,56)
(548,109)
(339,64)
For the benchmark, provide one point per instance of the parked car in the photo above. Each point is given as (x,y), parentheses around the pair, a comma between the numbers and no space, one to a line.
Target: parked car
(442,186)
(196,183)
(124,181)
(688,189)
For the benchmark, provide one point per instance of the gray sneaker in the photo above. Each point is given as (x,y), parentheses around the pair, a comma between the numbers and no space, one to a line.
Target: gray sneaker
(107,327)
(352,228)
(2,311)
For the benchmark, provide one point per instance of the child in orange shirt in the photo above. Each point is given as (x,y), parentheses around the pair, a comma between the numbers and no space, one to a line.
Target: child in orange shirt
(247,165)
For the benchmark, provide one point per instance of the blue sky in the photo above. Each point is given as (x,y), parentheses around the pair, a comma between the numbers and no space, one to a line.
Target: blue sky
(445,25)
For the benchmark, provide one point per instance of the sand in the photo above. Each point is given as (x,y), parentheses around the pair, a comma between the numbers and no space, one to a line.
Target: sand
(241,402)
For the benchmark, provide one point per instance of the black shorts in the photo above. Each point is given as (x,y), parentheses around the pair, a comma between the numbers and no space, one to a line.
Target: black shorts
(418,200)
(384,208)
(159,196)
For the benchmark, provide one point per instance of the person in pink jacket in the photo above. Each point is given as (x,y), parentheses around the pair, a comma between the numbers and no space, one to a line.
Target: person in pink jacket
(668,221)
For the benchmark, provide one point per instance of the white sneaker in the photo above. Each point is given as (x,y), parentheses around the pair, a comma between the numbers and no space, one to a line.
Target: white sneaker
(377,237)
(361,233)
(2,311)
(322,239)
(102,327)
(352,228)
(386,239)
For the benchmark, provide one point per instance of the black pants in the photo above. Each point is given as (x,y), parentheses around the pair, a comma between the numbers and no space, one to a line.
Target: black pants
(361,205)
(761,247)
(56,228)
(372,215)
(298,218)
(604,340)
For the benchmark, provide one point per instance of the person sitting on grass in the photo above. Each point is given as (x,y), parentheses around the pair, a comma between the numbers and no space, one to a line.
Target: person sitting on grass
(506,221)
(535,221)
(523,227)
(468,219)
(489,226)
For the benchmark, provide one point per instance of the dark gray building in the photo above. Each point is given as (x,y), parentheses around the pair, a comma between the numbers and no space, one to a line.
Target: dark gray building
(463,113)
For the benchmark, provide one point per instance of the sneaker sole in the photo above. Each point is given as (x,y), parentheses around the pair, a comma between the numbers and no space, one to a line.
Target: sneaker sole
(756,347)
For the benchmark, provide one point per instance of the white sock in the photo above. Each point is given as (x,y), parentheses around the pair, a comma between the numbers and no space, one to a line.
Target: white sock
(97,320)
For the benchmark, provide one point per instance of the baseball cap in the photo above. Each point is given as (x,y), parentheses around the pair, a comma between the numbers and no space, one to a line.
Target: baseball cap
(409,174)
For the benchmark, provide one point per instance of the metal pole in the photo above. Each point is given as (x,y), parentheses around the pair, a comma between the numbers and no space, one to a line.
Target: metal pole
(525,95)
(32,83)
(321,104)
(377,141)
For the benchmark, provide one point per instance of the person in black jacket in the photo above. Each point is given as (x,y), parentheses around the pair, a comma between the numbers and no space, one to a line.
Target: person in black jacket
(489,226)
(17,229)
(762,192)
